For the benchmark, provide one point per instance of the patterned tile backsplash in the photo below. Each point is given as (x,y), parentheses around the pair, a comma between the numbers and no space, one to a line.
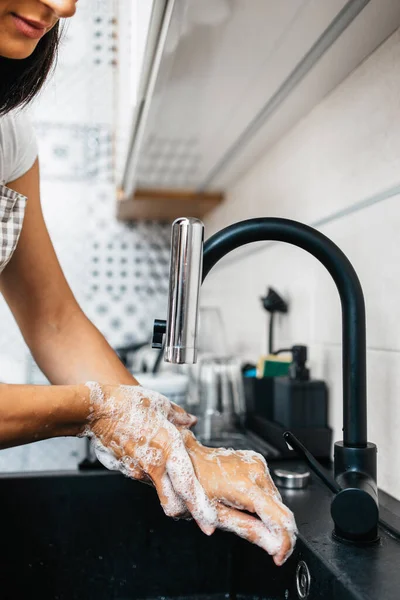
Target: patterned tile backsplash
(118,273)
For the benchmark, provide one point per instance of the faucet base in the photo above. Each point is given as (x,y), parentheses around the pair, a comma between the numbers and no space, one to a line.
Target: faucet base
(353,459)
(355,508)
(371,538)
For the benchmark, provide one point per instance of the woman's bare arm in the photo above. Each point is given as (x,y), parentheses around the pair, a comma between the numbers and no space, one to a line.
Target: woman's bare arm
(65,344)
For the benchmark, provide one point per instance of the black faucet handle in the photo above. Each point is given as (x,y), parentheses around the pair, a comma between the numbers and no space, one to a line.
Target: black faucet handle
(312,462)
(159,330)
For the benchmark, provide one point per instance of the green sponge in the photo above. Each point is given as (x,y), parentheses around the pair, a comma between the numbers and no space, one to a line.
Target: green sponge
(273,366)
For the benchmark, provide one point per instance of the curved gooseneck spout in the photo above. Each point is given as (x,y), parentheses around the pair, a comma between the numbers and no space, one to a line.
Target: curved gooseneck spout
(354,507)
(350,292)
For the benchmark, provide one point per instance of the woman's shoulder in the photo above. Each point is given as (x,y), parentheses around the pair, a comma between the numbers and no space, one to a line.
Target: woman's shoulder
(18,149)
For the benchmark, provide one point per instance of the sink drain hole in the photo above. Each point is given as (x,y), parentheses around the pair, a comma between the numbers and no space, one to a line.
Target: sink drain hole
(303,580)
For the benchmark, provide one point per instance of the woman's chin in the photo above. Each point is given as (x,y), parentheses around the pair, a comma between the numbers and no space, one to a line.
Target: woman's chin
(17,49)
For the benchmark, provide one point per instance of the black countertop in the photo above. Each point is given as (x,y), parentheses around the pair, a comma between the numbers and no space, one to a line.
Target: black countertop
(87,527)
(372,572)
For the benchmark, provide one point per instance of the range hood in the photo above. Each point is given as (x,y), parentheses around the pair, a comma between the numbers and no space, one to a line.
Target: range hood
(223,80)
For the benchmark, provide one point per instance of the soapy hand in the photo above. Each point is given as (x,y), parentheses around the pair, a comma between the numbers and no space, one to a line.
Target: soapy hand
(239,481)
(135,431)
(146,437)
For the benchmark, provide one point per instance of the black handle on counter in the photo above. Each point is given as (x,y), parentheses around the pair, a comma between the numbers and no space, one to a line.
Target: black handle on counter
(311,461)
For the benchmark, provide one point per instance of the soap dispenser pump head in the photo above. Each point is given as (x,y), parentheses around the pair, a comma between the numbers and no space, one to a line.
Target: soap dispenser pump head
(297,368)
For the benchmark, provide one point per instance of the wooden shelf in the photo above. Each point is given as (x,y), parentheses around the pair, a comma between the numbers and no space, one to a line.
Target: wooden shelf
(166,205)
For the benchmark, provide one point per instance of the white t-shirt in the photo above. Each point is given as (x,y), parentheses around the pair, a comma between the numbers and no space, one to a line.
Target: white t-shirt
(18,149)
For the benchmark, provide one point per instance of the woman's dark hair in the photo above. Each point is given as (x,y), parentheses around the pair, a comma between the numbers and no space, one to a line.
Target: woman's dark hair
(21,80)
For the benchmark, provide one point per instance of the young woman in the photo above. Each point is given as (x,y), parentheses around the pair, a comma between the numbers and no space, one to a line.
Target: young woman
(134,430)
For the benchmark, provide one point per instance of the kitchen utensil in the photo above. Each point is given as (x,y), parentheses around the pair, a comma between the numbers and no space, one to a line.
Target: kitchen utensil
(211,342)
(220,394)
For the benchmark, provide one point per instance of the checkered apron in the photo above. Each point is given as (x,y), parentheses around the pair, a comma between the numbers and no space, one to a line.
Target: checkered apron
(12,210)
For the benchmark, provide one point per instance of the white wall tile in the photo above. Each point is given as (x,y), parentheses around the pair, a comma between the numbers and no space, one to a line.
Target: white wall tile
(370,239)
(346,149)
(383,384)
(238,288)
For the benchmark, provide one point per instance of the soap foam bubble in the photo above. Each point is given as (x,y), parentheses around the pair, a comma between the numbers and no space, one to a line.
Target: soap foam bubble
(105,455)
(141,424)
(143,439)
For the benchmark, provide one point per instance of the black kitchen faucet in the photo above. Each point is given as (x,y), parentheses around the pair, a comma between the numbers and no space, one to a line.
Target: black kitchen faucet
(354,506)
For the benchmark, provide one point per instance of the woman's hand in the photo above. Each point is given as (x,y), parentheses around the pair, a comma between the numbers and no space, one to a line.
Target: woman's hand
(239,481)
(145,436)
(134,430)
